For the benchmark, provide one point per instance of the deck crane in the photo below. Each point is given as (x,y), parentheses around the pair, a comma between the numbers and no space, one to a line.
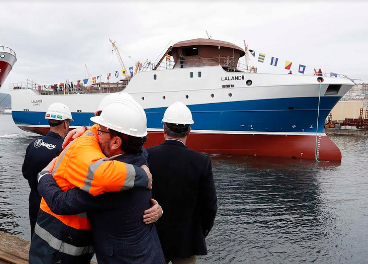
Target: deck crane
(119,57)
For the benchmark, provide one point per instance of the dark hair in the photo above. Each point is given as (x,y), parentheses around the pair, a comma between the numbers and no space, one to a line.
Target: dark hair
(55,123)
(177,130)
(130,144)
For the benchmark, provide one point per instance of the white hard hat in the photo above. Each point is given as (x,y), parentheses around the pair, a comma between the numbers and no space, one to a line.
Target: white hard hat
(178,113)
(114,98)
(58,111)
(127,117)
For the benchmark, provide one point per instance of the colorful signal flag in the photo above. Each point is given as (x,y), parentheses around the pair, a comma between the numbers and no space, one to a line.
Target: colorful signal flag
(288,65)
(261,57)
(274,61)
(302,68)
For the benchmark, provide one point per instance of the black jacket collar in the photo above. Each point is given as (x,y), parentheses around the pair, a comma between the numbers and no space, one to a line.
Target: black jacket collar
(174,142)
(53,134)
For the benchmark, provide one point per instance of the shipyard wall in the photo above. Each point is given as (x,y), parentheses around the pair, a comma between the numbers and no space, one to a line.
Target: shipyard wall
(347,109)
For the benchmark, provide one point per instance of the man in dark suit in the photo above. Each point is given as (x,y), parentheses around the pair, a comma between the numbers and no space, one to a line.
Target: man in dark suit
(183,185)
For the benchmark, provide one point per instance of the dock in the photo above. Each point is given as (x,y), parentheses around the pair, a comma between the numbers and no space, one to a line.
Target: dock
(346,132)
(14,250)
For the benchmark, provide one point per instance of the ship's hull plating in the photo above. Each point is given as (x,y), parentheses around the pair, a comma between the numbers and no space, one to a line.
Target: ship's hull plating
(5,68)
(7,61)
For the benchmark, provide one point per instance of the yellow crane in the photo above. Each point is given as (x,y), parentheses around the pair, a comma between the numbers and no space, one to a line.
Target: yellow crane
(116,49)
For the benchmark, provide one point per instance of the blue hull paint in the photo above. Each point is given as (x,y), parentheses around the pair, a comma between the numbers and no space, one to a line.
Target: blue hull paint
(272,115)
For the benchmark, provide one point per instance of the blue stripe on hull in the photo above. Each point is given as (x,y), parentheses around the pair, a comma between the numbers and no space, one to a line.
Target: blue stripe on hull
(272,115)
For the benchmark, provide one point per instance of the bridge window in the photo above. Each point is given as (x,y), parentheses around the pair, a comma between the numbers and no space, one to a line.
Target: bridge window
(155,77)
(190,51)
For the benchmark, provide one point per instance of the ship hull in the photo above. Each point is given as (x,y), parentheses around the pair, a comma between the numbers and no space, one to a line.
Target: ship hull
(269,145)
(304,146)
(278,116)
(7,60)
(5,68)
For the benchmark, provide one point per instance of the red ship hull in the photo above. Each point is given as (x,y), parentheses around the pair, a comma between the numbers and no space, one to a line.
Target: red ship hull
(288,146)
(5,68)
(7,60)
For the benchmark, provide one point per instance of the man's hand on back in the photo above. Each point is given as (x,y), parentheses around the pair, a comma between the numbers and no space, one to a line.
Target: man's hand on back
(153,214)
(73,134)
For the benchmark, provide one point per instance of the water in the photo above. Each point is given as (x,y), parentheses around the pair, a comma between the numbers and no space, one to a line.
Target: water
(270,210)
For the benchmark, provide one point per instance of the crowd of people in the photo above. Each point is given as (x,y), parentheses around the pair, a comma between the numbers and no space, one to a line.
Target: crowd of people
(99,191)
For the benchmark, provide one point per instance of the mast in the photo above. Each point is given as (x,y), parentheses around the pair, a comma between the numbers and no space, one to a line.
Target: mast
(246,56)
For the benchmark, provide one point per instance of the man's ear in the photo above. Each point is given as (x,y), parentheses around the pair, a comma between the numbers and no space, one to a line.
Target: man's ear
(65,124)
(115,143)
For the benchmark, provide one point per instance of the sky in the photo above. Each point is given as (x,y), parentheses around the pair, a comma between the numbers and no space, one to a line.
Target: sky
(54,41)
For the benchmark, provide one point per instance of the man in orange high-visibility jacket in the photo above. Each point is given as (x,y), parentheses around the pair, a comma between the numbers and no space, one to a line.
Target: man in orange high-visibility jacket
(67,239)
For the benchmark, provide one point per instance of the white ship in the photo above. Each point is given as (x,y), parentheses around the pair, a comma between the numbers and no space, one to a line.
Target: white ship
(235,111)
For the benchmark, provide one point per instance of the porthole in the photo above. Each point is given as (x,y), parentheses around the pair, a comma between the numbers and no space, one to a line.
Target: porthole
(164,97)
(249,82)
(191,74)
(230,94)
(187,96)
(155,77)
(143,98)
(199,74)
(212,95)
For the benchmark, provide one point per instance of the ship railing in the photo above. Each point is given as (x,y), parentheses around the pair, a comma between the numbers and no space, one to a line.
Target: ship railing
(8,50)
(69,88)
(229,63)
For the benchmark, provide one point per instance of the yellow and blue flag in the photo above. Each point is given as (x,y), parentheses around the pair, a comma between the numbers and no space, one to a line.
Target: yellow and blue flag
(261,57)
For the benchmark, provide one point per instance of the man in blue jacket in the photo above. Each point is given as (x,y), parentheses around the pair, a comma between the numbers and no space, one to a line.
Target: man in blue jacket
(42,150)
(119,233)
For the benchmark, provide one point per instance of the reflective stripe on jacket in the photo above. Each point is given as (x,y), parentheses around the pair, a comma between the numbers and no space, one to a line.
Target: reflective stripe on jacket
(55,242)
(83,165)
